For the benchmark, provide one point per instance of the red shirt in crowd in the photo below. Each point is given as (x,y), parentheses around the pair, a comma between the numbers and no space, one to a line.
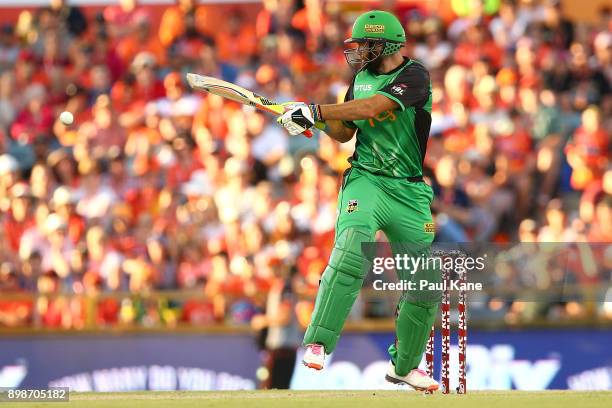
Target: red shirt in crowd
(15,229)
(28,125)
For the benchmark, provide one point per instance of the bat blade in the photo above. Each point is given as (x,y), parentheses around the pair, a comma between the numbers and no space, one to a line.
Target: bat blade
(235,93)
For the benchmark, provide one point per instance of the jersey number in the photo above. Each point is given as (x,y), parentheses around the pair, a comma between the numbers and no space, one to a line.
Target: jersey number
(381,117)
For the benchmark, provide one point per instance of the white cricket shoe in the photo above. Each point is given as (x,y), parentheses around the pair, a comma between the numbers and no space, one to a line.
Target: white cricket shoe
(416,378)
(314,357)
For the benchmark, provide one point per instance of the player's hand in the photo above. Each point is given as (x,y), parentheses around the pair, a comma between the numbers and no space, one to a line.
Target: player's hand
(298,117)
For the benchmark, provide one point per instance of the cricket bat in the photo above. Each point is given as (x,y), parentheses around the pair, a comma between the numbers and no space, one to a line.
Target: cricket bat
(238,94)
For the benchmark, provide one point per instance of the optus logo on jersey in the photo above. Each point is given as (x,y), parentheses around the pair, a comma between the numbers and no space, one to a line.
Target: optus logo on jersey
(363,87)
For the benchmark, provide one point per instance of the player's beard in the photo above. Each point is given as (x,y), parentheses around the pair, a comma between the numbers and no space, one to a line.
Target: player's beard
(373,65)
(370,61)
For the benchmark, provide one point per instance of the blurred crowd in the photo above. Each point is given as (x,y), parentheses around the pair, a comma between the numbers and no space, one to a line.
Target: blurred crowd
(157,188)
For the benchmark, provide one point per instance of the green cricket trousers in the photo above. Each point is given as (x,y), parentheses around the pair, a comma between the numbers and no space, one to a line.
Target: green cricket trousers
(400,208)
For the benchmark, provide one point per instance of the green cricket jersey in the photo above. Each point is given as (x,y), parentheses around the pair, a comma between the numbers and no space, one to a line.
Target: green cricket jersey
(394,142)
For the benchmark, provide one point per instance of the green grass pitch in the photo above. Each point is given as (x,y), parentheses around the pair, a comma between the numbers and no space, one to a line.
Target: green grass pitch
(322,399)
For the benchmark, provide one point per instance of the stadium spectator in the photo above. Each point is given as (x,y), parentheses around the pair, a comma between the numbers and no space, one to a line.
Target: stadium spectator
(122,19)
(186,17)
(282,333)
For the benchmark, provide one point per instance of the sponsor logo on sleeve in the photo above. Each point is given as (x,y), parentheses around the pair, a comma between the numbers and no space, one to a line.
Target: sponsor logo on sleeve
(398,89)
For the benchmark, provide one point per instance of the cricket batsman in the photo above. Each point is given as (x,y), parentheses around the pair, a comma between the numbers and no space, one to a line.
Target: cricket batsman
(388,109)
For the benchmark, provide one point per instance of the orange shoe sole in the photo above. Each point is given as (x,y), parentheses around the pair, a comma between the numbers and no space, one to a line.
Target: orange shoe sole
(314,366)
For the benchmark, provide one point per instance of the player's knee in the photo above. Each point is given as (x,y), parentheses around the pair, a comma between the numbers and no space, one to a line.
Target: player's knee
(347,257)
(421,307)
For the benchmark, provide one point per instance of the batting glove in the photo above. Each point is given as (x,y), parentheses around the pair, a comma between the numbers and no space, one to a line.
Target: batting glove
(300,117)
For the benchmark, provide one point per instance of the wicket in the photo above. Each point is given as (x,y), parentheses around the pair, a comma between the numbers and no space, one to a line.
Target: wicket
(446,331)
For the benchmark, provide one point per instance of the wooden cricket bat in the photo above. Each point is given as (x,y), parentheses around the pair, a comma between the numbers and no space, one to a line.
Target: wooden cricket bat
(238,94)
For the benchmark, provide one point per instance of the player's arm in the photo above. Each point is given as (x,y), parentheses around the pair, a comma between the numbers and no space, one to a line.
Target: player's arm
(338,114)
(358,109)
(343,130)
(411,88)
(338,131)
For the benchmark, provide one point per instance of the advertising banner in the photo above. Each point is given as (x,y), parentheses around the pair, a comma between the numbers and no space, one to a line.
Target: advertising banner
(525,360)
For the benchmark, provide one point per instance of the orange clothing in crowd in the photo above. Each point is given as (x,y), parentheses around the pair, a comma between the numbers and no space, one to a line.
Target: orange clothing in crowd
(592,145)
(172,23)
(152,136)
(22,309)
(128,47)
(76,228)
(588,155)
(459,140)
(309,20)
(263,23)
(515,147)
(240,45)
